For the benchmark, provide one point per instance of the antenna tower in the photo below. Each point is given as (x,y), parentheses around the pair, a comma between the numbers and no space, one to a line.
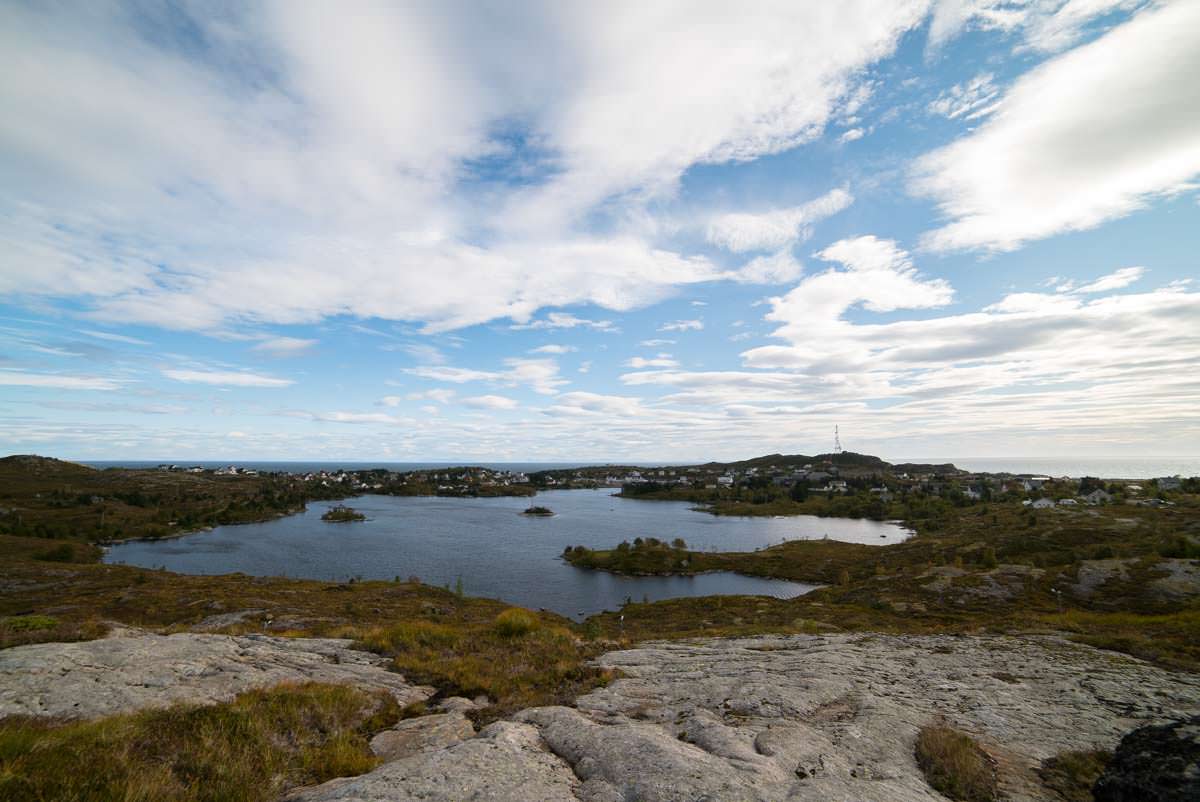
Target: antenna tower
(837,441)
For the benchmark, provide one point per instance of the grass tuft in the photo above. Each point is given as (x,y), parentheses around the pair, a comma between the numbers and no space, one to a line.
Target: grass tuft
(955,765)
(518,660)
(515,622)
(1071,775)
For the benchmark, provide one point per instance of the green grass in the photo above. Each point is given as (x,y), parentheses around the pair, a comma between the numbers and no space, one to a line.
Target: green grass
(955,765)
(518,660)
(1170,639)
(1071,775)
(253,748)
(24,629)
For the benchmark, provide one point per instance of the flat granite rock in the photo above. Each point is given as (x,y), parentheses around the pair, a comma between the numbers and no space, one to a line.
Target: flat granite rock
(136,670)
(828,718)
(506,762)
(413,735)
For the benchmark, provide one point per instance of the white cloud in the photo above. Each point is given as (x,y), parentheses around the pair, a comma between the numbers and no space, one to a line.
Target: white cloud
(951,17)
(1056,30)
(116,338)
(57,381)
(323,129)
(968,100)
(541,375)
(1113,281)
(355,417)
(441,395)
(452,374)
(597,404)
(491,402)
(778,268)
(228,378)
(563,320)
(682,325)
(660,361)
(1045,25)
(585,366)
(285,346)
(774,229)
(421,352)
(554,349)
(655,343)
(1024,174)
(851,135)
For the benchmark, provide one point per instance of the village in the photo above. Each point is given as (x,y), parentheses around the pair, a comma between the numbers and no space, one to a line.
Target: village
(833,474)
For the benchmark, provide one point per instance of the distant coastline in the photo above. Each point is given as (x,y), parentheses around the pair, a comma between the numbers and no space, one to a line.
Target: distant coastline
(1104,467)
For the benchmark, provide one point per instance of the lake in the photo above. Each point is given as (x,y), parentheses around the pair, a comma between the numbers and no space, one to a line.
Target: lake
(496,551)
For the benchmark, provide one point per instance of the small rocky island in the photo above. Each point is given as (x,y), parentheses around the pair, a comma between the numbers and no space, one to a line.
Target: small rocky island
(340,513)
(544,512)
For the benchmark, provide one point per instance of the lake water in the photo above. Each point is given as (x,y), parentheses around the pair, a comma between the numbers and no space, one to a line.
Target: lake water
(496,551)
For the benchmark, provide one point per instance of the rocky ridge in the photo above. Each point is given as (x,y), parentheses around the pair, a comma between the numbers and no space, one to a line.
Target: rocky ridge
(133,670)
(793,718)
(823,717)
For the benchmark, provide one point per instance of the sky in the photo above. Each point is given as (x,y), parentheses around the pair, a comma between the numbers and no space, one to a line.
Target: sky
(643,231)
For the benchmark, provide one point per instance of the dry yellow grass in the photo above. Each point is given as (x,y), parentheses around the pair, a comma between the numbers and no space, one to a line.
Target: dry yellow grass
(955,765)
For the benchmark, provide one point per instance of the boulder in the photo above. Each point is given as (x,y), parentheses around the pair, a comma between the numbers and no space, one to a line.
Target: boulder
(506,762)
(413,735)
(1158,763)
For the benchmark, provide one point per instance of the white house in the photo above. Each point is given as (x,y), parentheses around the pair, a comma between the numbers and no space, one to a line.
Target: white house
(1043,504)
(1098,496)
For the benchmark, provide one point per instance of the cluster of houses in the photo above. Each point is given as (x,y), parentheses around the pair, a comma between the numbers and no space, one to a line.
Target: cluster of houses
(1041,492)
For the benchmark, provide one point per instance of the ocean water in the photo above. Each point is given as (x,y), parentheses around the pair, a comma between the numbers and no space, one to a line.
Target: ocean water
(495,550)
(1102,467)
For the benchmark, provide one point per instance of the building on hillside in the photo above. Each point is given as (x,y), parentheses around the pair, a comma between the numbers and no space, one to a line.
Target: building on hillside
(1098,496)
(1169,482)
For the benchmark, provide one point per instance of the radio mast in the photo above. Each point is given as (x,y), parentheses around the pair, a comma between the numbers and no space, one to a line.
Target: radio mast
(837,441)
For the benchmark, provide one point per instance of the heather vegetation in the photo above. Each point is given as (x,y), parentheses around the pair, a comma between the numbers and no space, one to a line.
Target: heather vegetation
(253,748)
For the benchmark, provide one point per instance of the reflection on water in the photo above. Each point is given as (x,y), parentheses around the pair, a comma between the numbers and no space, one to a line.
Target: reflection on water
(496,551)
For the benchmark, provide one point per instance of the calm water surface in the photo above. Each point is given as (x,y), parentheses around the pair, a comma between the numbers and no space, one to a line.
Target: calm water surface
(496,551)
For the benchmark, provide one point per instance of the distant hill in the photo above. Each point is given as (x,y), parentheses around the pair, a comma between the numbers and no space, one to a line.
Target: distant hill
(844,460)
(33,465)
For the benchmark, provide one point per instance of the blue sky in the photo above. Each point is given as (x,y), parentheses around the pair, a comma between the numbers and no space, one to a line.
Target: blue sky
(611,231)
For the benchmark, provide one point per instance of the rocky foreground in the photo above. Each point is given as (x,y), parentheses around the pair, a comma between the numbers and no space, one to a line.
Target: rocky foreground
(831,717)
(134,670)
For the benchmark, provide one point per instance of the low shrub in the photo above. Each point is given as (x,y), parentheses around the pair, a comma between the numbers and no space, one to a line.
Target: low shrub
(515,622)
(253,748)
(955,765)
(20,630)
